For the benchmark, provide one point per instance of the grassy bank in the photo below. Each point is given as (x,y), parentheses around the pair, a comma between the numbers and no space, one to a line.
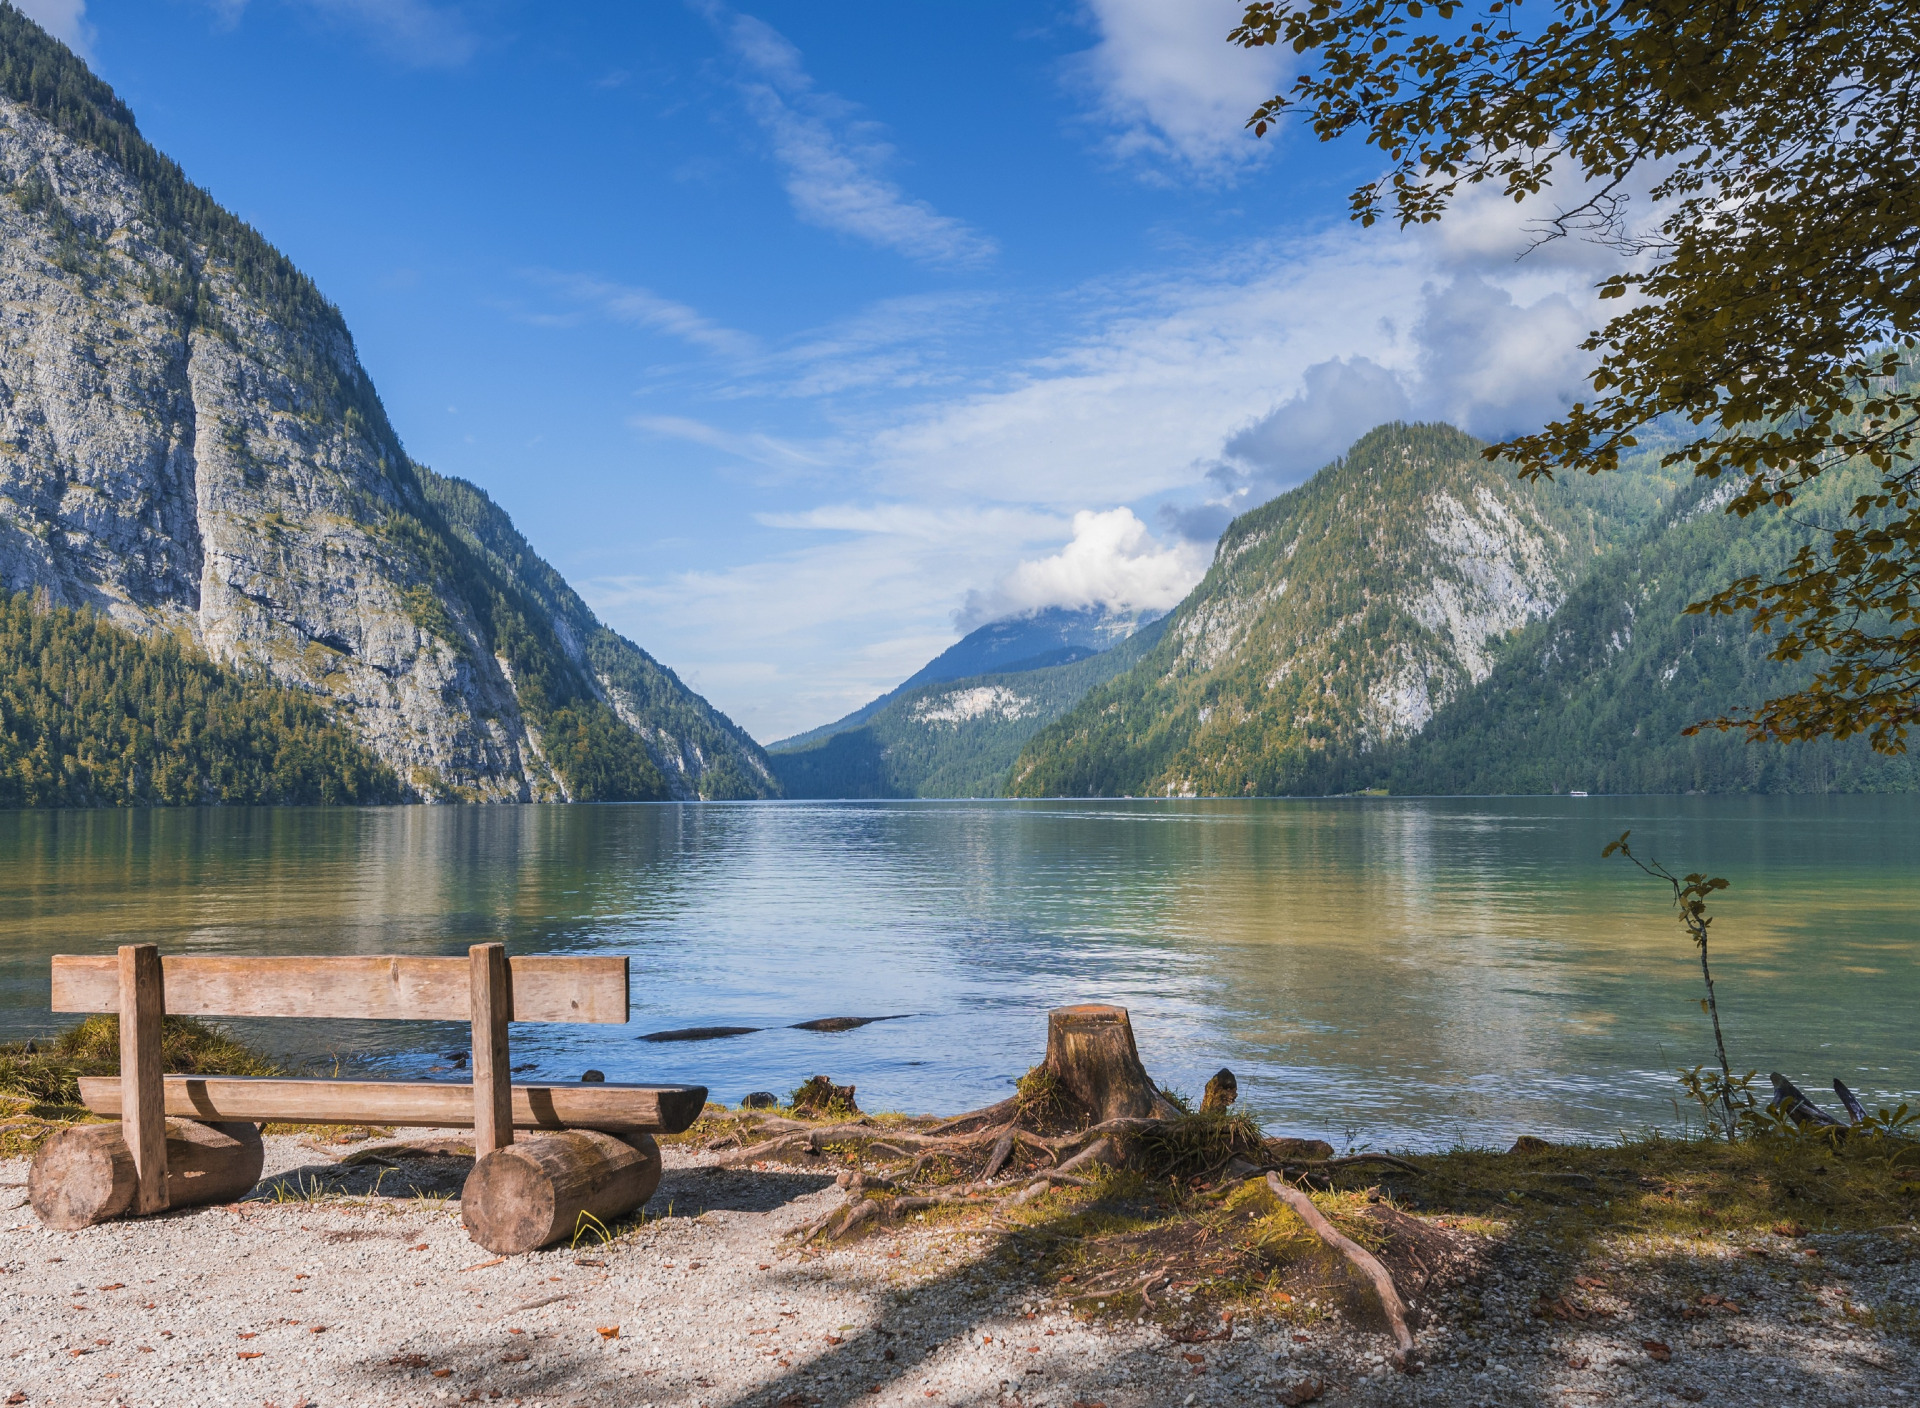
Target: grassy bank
(1175,1236)
(40,1080)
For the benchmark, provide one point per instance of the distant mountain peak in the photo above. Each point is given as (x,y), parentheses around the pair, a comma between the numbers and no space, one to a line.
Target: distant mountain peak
(1034,640)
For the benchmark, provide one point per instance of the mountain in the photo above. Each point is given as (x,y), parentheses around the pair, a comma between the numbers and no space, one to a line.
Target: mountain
(952,738)
(190,448)
(1595,697)
(1415,619)
(1335,620)
(1057,635)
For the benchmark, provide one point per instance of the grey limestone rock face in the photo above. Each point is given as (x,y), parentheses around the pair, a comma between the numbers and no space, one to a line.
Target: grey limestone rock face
(171,464)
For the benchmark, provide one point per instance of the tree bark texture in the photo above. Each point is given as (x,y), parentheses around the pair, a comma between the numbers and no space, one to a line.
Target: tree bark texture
(1090,1052)
(528,1194)
(86,1174)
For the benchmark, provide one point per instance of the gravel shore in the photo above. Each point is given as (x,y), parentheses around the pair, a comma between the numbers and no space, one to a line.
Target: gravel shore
(384,1300)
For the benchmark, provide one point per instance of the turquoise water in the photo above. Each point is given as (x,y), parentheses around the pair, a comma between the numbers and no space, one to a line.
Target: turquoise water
(1375,971)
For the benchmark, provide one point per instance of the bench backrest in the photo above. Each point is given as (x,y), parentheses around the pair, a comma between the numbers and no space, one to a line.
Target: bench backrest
(546,987)
(484,988)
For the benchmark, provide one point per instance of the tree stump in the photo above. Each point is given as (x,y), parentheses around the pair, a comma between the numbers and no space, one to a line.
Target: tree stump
(1222,1091)
(534,1191)
(819,1097)
(1090,1052)
(86,1174)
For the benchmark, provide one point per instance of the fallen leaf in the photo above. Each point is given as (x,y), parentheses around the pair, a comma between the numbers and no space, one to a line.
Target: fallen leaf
(409,1361)
(495,1262)
(830,1339)
(1194,1358)
(145,1348)
(17,1397)
(519,1357)
(1306,1391)
(1087,1403)
(766,1266)
(252,1354)
(1660,1351)
(1592,1283)
(1559,1308)
(443,1373)
(1578,1361)
(249,1334)
(608,1332)
(587,1261)
(316,1329)
(422,1247)
(116,1286)
(515,1330)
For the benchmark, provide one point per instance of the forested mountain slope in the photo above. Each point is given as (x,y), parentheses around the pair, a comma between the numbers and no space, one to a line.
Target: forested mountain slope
(91,715)
(1336,620)
(952,738)
(1596,697)
(190,447)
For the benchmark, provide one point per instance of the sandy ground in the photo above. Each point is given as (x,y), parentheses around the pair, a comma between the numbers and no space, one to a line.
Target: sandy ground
(385,1301)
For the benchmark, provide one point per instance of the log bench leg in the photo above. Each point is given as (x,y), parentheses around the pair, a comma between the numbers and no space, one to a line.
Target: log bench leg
(87,1174)
(533,1192)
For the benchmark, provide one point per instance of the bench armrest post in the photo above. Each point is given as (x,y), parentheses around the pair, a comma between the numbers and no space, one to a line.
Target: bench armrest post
(143,1116)
(492,1082)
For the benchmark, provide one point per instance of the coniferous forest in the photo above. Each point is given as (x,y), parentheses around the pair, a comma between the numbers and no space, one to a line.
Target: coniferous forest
(91,715)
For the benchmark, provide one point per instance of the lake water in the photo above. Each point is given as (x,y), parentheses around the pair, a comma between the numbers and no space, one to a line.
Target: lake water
(1400,973)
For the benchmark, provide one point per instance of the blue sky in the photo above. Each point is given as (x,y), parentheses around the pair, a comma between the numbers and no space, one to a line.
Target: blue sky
(803,337)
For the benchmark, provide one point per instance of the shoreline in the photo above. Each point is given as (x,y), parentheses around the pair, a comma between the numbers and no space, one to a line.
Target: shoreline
(713,1302)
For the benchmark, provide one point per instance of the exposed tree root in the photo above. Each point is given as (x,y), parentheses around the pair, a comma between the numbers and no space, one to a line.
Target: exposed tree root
(1368,1264)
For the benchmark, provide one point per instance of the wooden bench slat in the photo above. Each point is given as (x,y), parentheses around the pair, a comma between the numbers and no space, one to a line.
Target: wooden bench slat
(652,1109)
(546,987)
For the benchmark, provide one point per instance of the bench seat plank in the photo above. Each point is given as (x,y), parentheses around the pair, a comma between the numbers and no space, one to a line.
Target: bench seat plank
(547,987)
(651,1109)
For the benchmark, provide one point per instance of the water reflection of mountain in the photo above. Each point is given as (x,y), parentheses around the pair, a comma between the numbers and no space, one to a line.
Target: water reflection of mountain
(1420,971)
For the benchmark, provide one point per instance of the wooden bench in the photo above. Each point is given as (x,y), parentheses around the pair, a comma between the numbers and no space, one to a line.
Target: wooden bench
(188,1140)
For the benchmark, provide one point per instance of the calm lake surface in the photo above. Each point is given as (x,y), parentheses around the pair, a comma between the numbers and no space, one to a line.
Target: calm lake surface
(1400,973)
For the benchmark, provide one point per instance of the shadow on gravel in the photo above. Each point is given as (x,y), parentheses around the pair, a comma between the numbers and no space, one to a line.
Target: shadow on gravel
(692,1191)
(1608,1284)
(372,1173)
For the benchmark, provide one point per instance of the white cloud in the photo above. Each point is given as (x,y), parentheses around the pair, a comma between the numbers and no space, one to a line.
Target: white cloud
(1176,93)
(797,639)
(1140,402)
(644,308)
(1112,561)
(1496,367)
(1198,395)
(65,20)
(758,448)
(834,161)
(1317,423)
(412,31)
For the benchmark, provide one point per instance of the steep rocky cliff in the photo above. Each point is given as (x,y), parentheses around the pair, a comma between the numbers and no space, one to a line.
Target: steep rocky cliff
(189,445)
(1335,619)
